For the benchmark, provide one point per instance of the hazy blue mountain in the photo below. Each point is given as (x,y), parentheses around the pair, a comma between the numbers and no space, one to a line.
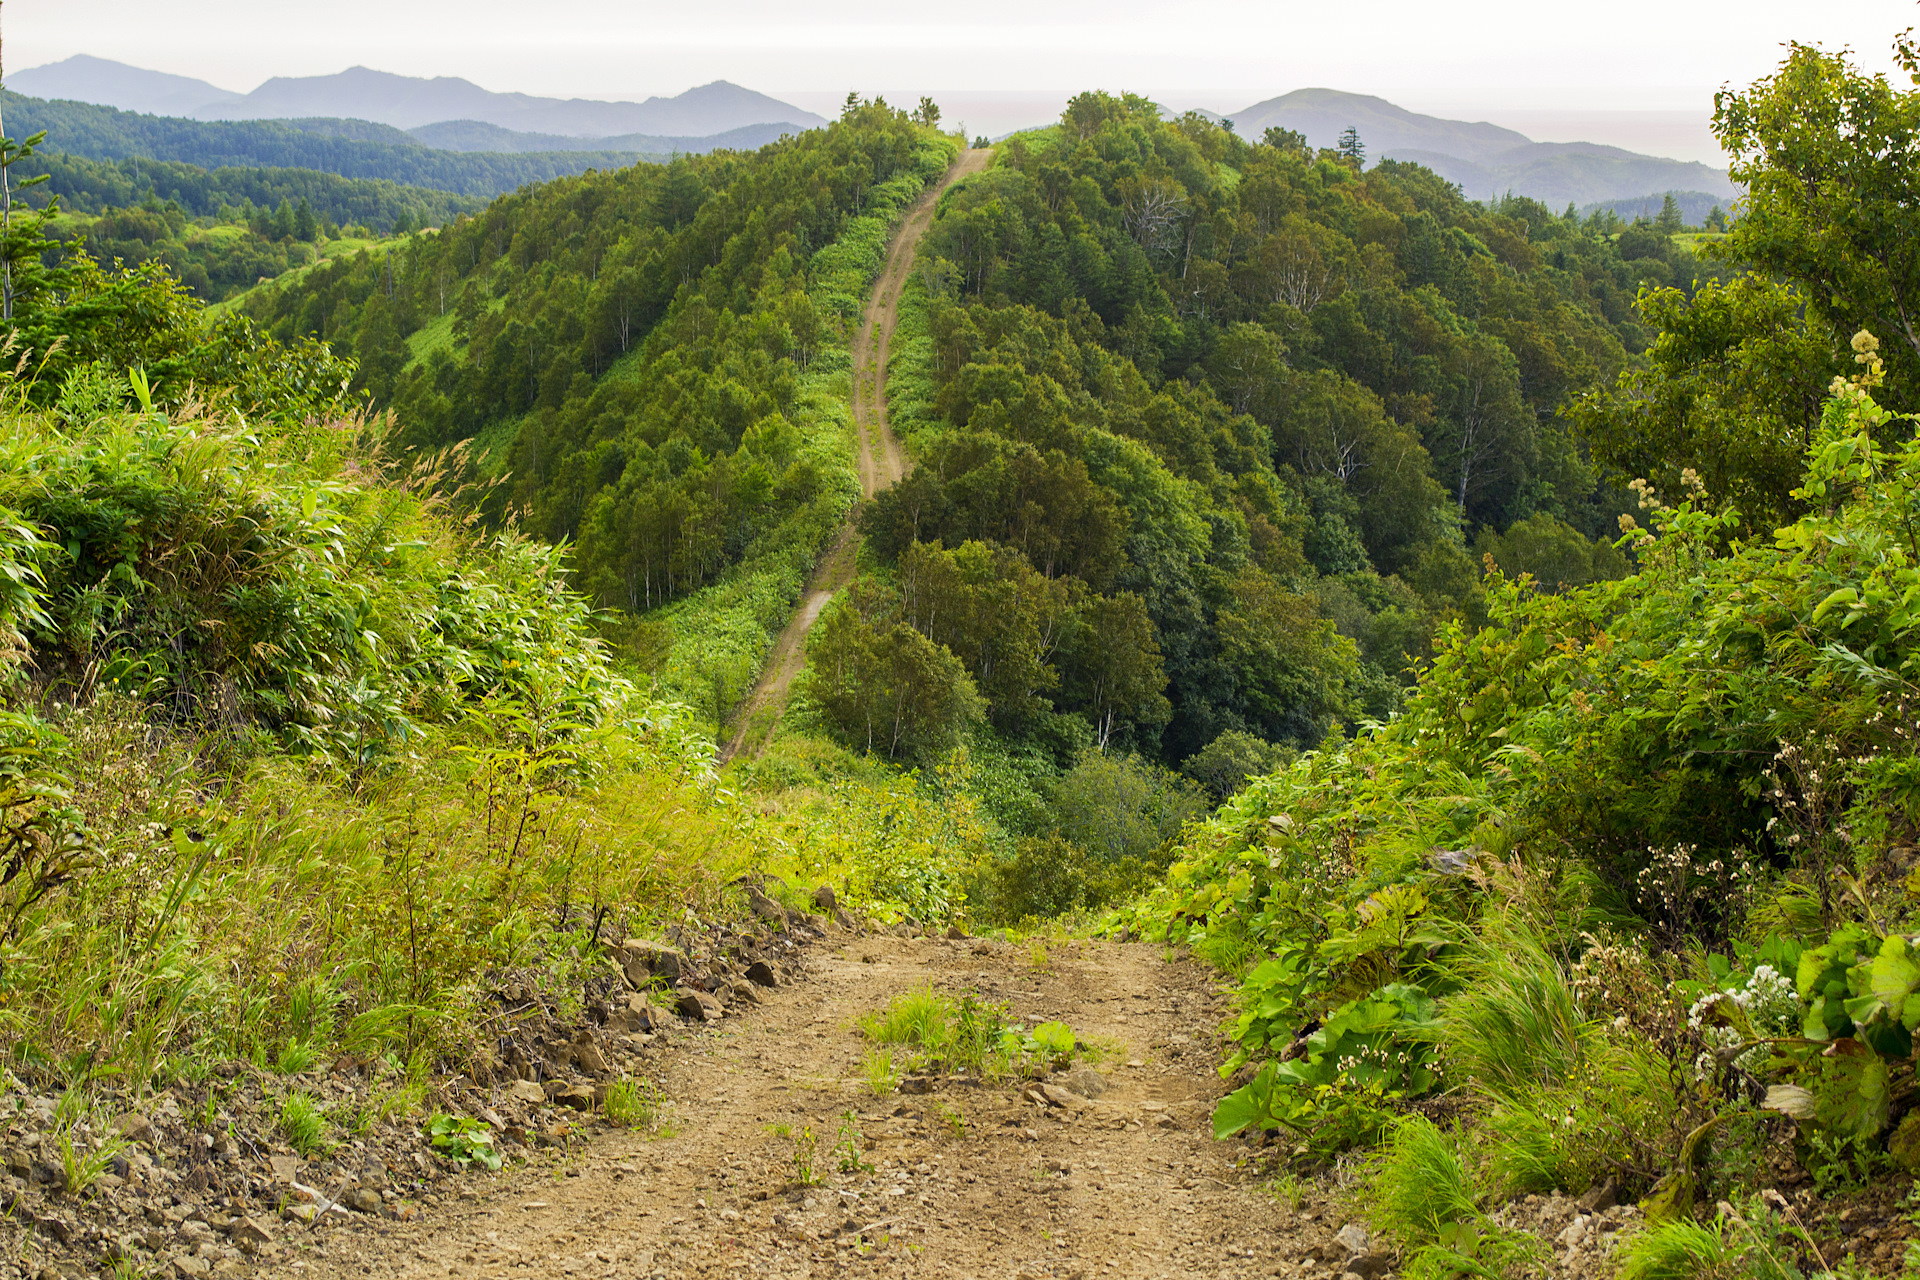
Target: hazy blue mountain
(476,135)
(1562,173)
(83,78)
(1324,114)
(1486,160)
(407,102)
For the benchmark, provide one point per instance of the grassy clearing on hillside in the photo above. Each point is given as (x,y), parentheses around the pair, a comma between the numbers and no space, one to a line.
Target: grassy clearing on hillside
(324,252)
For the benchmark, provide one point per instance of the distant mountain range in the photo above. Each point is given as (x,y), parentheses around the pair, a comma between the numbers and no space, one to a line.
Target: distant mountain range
(1486,160)
(409,102)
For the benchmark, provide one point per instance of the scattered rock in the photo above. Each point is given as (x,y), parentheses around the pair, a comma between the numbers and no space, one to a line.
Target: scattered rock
(638,1014)
(698,1005)
(134,1127)
(362,1200)
(188,1267)
(956,933)
(587,1056)
(1370,1266)
(1600,1199)
(1353,1237)
(744,992)
(766,908)
(526,1091)
(1055,1096)
(916,1084)
(249,1235)
(762,973)
(824,899)
(641,960)
(844,918)
(1085,1081)
(577,1097)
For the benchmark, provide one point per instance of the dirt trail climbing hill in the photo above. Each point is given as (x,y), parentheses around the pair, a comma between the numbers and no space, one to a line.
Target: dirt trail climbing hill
(966,1180)
(881,462)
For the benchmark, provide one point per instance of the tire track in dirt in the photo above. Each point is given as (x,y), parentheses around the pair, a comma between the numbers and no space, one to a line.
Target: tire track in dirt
(971,1179)
(882,462)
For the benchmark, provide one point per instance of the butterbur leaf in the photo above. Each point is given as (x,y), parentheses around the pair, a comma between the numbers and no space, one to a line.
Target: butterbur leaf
(1790,1100)
(1853,1097)
(1249,1106)
(1894,976)
(1055,1037)
(1671,1198)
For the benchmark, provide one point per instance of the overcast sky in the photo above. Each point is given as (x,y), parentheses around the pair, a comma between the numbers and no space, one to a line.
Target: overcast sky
(1507,60)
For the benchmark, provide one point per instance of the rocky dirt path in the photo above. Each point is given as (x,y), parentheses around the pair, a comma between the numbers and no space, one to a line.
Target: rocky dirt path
(881,463)
(965,1180)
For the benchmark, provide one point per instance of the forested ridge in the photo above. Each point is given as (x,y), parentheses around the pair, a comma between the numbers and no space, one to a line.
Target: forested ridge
(1267,409)
(1484,634)
(102,134)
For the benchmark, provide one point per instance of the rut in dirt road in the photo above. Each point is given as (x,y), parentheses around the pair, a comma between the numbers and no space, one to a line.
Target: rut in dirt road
(967,1179)
(881,463)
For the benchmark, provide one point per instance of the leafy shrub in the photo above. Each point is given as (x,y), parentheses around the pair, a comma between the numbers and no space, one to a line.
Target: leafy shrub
(1224,765)
(463,1141)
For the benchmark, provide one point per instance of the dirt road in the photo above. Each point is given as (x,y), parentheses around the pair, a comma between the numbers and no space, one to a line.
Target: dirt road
(964,1181)
(881,462)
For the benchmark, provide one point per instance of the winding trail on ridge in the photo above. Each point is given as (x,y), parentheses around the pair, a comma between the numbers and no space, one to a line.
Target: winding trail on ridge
(882,462)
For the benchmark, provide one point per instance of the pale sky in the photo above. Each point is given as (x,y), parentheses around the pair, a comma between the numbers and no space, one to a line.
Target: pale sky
(1643,68)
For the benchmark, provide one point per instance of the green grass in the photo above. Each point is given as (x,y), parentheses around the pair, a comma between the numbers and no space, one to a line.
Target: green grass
(1515,1023)
(918,1018)
(81,1166)
(1420,1192)
(304,1122)
(435,335)
(878,1072)
(1419,1186)
(1676,1251)
(633,1104)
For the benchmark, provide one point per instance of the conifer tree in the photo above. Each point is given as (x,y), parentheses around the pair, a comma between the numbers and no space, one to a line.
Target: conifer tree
(1352,148)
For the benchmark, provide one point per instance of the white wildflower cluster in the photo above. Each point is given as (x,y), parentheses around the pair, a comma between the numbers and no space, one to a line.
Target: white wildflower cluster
(1771,1004)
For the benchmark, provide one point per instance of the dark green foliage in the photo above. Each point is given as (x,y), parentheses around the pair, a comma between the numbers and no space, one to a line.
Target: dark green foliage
(1827,241)
(1225,765)
(636,348)
(1256,391)
(886,688)
(229,194)
(102,133)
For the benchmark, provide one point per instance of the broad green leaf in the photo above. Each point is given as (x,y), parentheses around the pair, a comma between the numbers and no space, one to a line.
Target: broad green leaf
(1247,1107)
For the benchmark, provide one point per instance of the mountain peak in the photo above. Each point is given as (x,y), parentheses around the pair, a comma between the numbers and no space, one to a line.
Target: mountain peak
(408,102)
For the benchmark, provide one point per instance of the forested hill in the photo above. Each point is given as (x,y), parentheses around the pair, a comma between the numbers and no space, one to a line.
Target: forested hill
(1236,423)
(102,133)
(634,347)
(95,186)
